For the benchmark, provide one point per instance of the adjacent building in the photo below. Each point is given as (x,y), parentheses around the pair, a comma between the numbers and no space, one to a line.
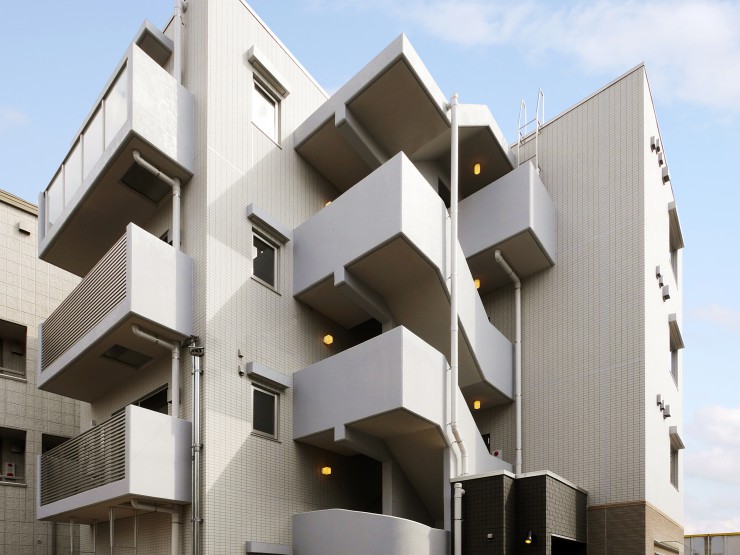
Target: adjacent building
(263,330)
(31,421)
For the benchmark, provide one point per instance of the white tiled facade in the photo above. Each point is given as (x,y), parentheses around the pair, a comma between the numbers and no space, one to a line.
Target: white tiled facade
(594,325)
(29,290)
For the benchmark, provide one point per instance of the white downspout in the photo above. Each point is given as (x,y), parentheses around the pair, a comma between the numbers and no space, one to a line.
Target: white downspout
(197,353)
(462,467)
(517,357)
(180,7)
(175,512)
(175,349)
(173,182)
(457,515)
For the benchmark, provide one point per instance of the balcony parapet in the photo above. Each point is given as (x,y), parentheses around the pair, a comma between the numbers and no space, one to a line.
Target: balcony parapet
(86,344)
(338,532)
(98,189)
(513,214)
(137,454)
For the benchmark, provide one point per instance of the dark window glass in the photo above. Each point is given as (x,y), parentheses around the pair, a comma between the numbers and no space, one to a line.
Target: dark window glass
(263,417)
(263,261)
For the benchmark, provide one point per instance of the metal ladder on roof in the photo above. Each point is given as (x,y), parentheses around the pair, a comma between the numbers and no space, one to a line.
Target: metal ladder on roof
(522,131)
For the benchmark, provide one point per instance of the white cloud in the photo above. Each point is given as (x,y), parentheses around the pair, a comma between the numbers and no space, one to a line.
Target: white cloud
(714,444)
(691,47)
(720,315)
(10,117)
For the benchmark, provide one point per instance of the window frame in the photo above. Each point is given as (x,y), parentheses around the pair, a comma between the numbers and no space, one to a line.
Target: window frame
(275,411)
(673,465)
(13,335)
(12,435)
(263,89)
(265,238)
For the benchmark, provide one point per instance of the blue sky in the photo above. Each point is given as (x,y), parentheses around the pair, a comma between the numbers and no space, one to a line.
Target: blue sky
(55,58)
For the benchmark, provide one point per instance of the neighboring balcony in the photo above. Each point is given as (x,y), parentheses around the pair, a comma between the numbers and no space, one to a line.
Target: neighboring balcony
(338,532)
(87,347)
(515,215)
(99,188)
(381,250)
(138,454)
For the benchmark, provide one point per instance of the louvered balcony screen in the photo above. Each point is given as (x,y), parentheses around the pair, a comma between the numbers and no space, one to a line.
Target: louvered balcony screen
(101,290)
(86,462)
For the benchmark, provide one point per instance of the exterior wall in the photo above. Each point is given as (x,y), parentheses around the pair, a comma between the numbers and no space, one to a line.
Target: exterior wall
(252,485)
(622,528)
(29,291)
(658,379)
(583,323)
(499,511)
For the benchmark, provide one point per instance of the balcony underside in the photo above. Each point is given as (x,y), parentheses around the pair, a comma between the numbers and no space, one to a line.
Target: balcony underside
(107,206)
(393,105)
(90,375)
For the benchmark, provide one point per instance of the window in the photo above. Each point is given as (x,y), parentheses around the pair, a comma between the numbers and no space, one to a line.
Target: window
(264,260)
(674,466)
(12,349)
(156,401)
(49,441)
(12,455)
(265,111)
(264,412)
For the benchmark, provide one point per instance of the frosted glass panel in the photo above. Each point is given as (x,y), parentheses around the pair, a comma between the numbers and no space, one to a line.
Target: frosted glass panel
(55,199)
(93,142)
(116,106)
(733,545)
(72,172)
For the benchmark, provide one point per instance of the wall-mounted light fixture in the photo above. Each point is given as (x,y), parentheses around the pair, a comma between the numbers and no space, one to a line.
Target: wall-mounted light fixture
(476,404)
(328,202)
(530,538)
(477,283)
(476,168)
(328,339)
(326,470)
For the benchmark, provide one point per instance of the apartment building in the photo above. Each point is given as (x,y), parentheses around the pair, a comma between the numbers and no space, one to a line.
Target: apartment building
(263,330)
(31,421)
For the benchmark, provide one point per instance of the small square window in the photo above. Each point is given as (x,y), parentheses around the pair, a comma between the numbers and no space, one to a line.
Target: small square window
(265,111)
(264,412)
(12,349)
(264,260)
(12,455)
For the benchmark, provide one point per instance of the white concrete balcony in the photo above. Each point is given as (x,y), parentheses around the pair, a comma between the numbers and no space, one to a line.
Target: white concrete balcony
(390,389)
(137,455)
(381,250)
(513,214)
(98,188)
(86,345)
(339,532)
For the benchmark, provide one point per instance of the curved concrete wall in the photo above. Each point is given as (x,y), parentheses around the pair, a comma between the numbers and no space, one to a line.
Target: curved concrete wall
(340,532)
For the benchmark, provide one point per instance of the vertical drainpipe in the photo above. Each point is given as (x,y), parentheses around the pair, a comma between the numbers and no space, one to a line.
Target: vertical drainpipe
(517,357)
(197,353)
(462,466)
(180,7)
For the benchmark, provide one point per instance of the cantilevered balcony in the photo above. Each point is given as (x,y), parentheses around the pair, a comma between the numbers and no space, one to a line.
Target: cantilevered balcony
(392,389)
(99,188)
(86,344)
(513,214)
(394,105)
(338,532)
(137,455)
(381,250)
